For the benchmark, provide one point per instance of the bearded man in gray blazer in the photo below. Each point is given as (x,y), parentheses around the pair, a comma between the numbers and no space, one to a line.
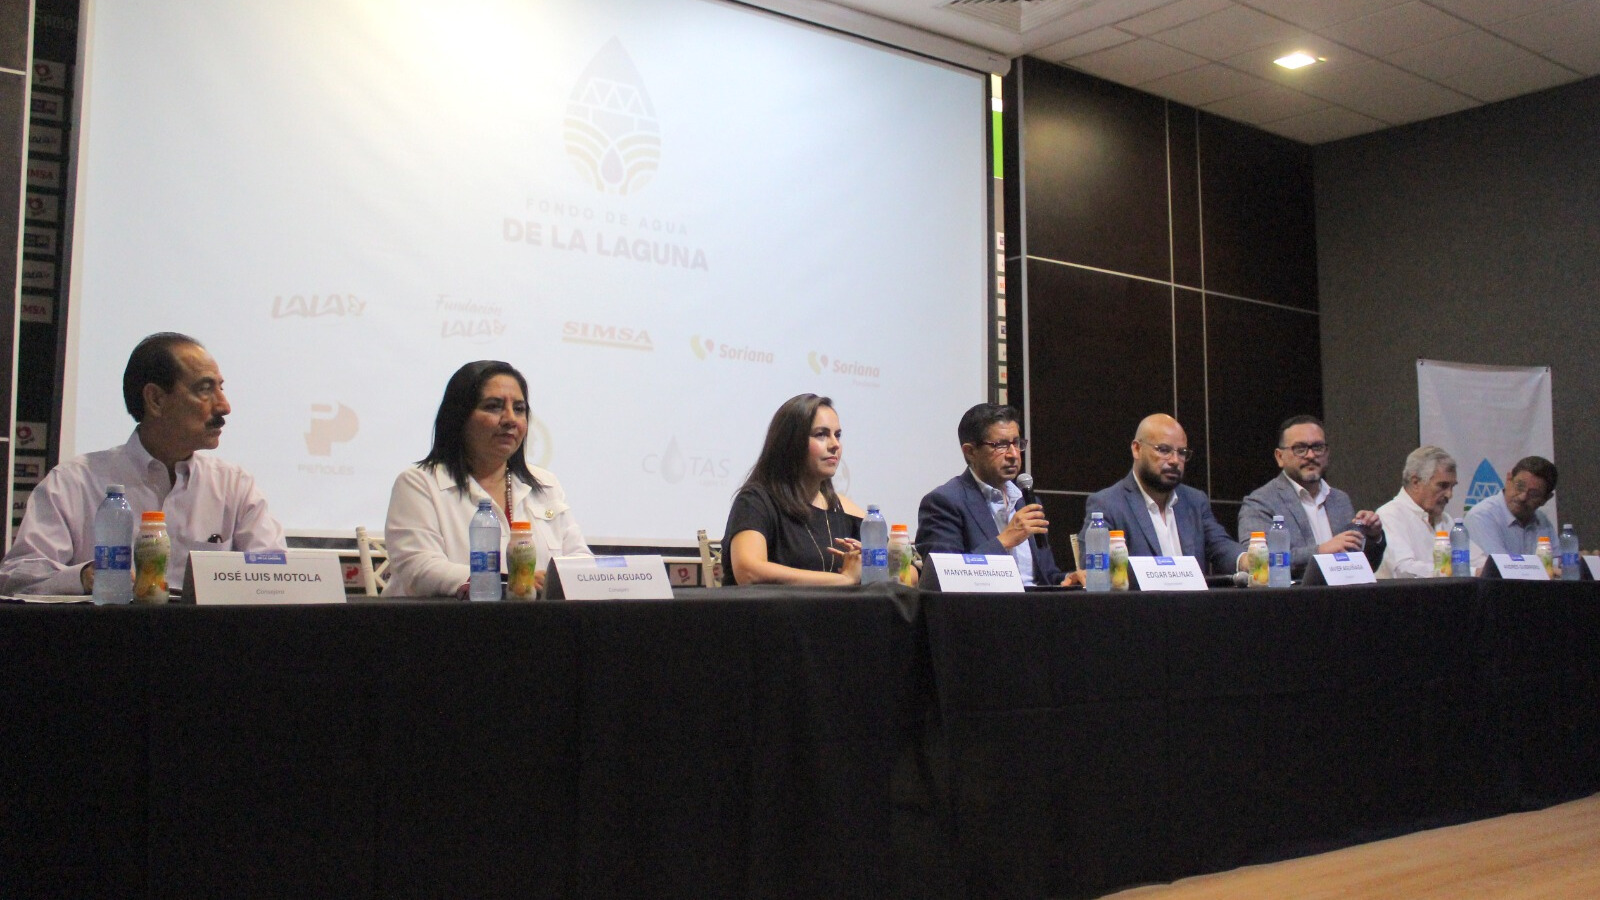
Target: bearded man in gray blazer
(1320,517)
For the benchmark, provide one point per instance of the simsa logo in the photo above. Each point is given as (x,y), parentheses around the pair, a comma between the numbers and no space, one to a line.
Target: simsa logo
(621,336)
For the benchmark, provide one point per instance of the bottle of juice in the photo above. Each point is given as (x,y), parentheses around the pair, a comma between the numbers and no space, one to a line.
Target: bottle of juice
(150,553)
(522,563)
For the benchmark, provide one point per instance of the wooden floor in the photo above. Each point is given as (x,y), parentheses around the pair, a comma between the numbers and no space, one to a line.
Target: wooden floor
(1554,853)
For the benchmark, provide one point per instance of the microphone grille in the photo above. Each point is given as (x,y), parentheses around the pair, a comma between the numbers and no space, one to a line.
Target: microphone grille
(1025,481)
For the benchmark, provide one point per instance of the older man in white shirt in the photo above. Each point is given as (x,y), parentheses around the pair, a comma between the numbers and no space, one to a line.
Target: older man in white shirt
(1416,514)
(173,390)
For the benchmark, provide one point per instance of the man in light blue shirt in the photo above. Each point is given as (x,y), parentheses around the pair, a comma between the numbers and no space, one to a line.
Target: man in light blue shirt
(1510,521)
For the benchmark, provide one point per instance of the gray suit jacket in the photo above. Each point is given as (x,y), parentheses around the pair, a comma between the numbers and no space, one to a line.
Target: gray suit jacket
(1202,535)
(1277,498)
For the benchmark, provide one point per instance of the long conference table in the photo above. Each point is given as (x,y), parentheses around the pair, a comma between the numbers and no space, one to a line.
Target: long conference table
(758,742)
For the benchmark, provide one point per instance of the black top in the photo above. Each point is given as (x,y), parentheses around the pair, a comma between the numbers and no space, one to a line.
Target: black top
(799,545)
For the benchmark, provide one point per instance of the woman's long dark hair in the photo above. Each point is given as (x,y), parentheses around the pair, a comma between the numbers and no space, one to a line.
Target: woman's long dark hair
(783,457)
(461,395)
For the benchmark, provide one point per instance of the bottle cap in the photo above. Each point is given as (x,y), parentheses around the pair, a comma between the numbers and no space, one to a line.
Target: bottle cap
(898,529)
(1440,534)
(521,526)
(1116,534)
(114,489)
(1277,519)
(1544,540)
(153,516)
(872,508)
(1258,534)
(1460,521)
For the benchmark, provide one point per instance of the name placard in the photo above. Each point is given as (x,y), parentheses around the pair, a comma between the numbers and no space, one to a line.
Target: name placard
(1593,562)
(977,573)
(1345,568)
(642,577)
(1519,567)
(278,576)
(1167,573)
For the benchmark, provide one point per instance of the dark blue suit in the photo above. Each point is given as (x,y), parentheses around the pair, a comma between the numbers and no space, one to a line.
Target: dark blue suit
(1202,536)
(955,518)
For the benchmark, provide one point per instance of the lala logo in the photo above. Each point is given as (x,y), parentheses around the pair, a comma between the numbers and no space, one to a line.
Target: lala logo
(613,136)
(1485,484)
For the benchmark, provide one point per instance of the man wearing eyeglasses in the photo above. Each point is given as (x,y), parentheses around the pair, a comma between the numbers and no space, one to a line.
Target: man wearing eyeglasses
(1158,514)
(1311,508)
(1511,521)
(982,510)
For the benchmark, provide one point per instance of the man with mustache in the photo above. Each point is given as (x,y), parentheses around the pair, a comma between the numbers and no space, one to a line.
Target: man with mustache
(1320,518)
(173,389)
(1158,514)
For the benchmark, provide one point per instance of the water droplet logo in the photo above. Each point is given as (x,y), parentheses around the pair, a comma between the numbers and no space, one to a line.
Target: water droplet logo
(673,467)
(1485,484)
(613,136)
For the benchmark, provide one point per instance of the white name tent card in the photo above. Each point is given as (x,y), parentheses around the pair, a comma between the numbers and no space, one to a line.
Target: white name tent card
(977,573)
(1167,573)
(1345,568)
(1519,567)
(1593,562)
(642,577)
(277,576)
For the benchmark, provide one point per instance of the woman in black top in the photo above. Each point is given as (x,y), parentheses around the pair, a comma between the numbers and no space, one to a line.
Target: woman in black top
(788,525)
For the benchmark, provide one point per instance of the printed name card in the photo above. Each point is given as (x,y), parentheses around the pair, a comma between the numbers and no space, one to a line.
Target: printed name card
(1345,568)
(642,577)
(977,573)
(1519,567)
(1593,562)
(1167,573)
(278,576)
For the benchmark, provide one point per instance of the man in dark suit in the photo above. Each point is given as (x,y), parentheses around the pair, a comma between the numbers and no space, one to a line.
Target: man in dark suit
(1311,507)
(982,510)
(1157,514)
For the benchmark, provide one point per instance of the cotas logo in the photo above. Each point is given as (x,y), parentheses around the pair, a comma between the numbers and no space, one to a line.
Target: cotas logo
(613,136)
(329,427)
(1485,484)
(316,306)
(674,465)
(478,323)
(706,348)
(619,336)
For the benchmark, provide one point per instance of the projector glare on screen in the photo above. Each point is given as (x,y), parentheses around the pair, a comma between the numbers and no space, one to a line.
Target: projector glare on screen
(670,215)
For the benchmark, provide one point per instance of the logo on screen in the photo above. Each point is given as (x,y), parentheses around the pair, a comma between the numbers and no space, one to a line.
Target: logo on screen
(329,427)
(1485,484)
(602,335)
(865,375)
(613,136)
(706,348)
(537,447)
(316,305)
(674,465)
(478,323)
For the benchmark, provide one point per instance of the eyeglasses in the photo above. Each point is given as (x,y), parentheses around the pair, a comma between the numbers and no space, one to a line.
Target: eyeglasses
(1522,490)
(1305,450)
(1017,444)
(1165,450)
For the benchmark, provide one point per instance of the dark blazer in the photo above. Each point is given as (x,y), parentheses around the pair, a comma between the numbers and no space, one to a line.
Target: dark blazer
(1278,498)
(955,518)
(1202,535)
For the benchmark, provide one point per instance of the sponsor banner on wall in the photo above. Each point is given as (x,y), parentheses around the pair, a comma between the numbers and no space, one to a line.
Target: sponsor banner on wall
(1487,417)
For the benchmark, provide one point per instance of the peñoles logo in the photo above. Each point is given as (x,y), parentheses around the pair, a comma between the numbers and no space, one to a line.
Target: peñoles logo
(329,427)
(613,136)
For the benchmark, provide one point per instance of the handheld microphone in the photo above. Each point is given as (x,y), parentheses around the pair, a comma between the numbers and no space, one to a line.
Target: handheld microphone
(1024,482)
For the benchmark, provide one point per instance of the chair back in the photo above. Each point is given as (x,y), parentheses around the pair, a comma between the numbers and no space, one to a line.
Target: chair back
(1077,553)
(374,577)
(710,560)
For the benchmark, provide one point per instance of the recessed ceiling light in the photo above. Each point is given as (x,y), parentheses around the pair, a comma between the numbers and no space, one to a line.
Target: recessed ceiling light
(1295,60)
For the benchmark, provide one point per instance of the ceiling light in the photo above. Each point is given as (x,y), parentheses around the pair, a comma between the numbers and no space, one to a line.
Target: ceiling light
(1295,60)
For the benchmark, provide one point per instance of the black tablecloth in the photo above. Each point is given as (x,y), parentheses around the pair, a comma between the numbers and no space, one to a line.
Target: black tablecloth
(757,742)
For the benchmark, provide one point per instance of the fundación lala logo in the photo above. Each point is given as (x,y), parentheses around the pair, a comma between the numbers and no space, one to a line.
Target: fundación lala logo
(1485,484)
(329,427)
(613,135)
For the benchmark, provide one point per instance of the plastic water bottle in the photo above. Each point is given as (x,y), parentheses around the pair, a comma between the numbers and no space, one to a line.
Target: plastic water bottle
(113,548)
(1460,550)
(1097,554)
(1571,563)
(1278,553)
(874,547)
(484,535)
